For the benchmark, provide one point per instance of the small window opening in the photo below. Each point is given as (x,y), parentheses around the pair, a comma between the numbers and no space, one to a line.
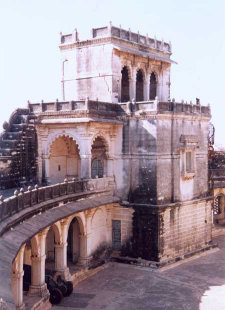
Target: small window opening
(217,205)
(125,87)
(153,86)
(140,86)
(188,162)
(59,168)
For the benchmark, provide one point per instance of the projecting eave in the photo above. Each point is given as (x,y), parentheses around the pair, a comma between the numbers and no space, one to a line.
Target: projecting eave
(77,120)
(144,54)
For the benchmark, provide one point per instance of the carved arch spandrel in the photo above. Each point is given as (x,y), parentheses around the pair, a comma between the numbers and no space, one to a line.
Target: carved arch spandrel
(106,139)
(54,135)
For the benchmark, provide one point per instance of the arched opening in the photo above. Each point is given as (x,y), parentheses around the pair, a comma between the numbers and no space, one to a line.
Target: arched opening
(73,242)
(99,158)
(50,250)
(64,160)
(125,85)
(153,86)
(139,86)
(27,268)
(218,210)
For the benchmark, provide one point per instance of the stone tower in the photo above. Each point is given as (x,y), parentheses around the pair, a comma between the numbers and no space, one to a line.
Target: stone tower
(110,65)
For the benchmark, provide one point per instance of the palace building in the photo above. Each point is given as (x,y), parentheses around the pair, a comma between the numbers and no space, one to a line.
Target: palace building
(117,163)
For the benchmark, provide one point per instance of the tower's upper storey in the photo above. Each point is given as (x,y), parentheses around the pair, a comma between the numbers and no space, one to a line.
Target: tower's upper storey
(115,65)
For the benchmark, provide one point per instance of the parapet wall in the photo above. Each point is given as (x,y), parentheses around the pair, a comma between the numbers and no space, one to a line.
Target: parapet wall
(118,32)
(114,109)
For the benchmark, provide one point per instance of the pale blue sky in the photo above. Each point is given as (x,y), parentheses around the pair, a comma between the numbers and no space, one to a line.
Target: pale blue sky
(30,60)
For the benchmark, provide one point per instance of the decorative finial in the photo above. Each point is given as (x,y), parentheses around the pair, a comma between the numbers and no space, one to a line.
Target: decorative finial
(155,42)
(76,35)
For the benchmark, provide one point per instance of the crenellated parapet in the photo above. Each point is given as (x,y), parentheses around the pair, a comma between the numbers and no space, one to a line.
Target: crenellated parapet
(85,108)
(123,34)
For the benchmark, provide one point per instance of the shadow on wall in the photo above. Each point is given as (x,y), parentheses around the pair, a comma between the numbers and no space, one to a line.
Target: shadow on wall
(140,171)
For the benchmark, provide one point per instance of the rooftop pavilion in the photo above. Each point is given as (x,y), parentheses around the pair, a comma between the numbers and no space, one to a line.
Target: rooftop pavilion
(143,42)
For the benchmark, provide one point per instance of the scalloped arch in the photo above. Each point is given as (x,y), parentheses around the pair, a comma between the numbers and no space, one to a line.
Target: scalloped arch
(128,69)
(140,68)
(156,75)
(100,135)
(53,137)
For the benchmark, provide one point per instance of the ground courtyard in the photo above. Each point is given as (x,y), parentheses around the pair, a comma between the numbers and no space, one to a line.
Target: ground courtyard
(196,284)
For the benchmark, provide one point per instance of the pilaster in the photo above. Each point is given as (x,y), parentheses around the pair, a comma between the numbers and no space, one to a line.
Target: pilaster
(85,166)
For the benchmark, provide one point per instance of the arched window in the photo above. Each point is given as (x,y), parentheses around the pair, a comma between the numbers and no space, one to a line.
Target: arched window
(218,204)
(153,86)
(99,158)
(125,85)
(96,168)
(73,241)
(139,86)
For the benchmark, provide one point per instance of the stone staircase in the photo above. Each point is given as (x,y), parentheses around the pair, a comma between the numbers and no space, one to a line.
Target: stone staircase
(18,149)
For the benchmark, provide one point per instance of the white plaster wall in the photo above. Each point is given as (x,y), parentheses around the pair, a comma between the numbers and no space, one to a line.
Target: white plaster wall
(88,73)
(97,234)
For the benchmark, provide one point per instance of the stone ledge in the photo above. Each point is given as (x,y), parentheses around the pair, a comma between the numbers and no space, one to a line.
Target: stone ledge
(86,273)
(165,263)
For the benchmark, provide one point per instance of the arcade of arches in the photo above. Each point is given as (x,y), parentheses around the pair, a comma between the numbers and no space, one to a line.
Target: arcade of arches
(141,88)
(66,247)
(65,160)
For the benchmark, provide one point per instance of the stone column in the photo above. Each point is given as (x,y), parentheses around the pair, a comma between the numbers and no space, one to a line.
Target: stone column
(84,259)
(17,289)
(17,280)
(133,85)
(61,260)
(61,252)
(147,88)
(45,168)
(85,166)
(38,286)
(159,91)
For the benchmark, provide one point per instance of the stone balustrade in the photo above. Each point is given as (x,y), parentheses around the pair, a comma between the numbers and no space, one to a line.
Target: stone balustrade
(117,109)
(44,195)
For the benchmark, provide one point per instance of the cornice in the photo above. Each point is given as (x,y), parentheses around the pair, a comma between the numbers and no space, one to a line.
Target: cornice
(111,40)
